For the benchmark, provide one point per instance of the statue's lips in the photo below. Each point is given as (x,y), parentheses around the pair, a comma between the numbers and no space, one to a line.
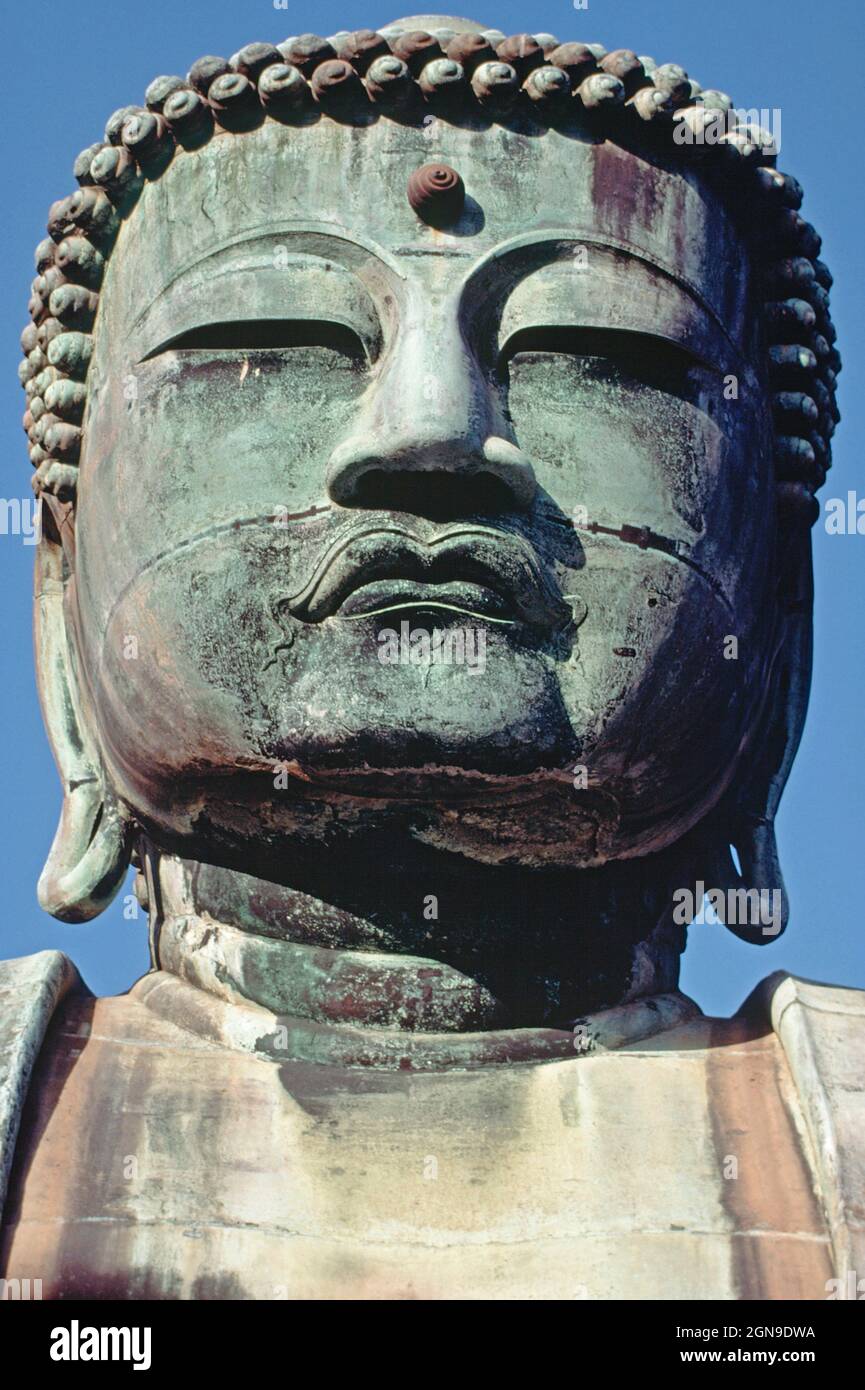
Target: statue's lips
(475,571)
(458,599)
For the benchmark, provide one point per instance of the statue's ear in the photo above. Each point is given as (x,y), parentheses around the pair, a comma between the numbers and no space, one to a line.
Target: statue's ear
(746,819)
(91,849)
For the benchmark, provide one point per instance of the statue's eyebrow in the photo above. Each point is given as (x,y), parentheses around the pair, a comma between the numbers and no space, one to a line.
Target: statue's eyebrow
(524,245)
(340,292)
(302,235)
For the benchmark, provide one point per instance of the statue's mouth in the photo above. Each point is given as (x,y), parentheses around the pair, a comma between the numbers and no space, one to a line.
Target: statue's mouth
(468,573)
(446,602)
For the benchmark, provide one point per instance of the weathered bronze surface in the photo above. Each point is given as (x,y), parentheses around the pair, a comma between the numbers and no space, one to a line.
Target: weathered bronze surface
(346,353)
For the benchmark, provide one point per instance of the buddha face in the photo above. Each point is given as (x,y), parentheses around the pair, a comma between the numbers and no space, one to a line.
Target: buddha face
(316,422)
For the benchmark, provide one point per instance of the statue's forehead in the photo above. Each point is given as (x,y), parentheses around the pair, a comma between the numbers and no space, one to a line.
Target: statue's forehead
(354,180)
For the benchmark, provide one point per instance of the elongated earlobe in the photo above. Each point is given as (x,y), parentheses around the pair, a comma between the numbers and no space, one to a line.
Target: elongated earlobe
(91,849)
(746,820)
(764,908)
(89,856)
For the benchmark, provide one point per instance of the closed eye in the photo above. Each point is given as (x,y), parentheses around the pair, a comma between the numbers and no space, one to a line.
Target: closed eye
(653,360)
(267,335)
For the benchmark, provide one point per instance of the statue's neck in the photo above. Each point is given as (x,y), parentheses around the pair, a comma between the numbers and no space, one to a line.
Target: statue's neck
(410,938)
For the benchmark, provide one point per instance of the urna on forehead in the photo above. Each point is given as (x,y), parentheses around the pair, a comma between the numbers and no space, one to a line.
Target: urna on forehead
(434,130)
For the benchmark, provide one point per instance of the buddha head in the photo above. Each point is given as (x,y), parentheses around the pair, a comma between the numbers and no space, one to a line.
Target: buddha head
(517,346)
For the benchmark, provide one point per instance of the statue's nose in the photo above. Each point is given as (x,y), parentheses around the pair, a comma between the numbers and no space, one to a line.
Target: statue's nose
(431,435)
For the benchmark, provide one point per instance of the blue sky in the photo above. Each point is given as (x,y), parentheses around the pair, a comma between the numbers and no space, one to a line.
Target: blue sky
(76,65)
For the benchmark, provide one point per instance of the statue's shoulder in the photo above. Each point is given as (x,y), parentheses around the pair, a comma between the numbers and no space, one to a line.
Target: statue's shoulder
(31,988)
(821,1029)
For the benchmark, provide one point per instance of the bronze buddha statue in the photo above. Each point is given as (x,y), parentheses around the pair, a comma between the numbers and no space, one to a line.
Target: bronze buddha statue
(428,424)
